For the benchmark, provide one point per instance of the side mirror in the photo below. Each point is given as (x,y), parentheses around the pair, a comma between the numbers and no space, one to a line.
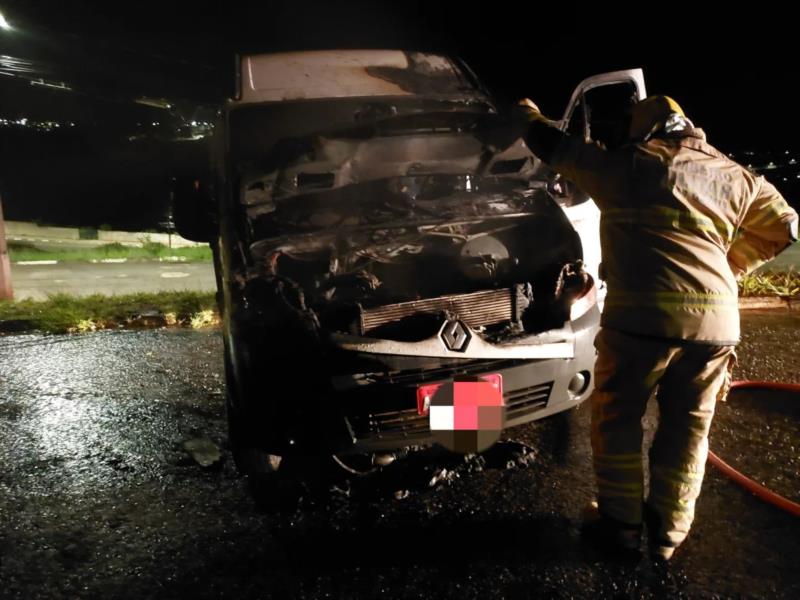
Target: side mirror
(194,210)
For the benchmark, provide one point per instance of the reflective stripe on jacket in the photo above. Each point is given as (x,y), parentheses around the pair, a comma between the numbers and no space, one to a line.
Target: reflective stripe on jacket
(680,221)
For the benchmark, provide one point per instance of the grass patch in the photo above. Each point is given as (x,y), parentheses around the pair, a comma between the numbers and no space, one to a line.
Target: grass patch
(62,313)
(771,283)
(23,251)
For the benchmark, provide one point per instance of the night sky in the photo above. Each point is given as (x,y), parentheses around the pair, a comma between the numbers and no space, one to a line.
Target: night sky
(82,64)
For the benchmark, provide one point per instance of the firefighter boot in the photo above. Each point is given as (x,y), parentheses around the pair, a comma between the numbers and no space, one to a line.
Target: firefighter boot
(610,535)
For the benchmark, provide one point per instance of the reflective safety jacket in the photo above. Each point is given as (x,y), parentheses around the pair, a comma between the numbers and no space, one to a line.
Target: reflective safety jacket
(680,221)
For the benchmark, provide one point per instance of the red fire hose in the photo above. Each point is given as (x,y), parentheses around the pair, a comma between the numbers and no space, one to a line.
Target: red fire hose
(757,489)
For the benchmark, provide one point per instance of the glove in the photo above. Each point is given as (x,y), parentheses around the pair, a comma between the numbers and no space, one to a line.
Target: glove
(529,111)
(500,132)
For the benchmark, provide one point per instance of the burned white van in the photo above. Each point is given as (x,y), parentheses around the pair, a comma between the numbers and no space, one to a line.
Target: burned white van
(370,241)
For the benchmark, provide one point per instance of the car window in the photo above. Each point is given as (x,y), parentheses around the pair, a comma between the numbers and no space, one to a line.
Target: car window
(604,113)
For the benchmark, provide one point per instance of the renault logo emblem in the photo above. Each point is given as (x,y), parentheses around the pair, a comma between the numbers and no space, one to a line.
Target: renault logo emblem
(455,336)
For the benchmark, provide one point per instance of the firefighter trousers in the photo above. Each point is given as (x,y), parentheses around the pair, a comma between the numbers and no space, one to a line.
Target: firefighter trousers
(689,379)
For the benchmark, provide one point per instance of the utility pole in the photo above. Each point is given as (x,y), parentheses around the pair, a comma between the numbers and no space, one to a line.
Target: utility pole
(6,293)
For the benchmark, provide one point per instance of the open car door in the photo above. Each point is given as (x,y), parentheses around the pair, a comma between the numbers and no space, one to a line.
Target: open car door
(598,105)
(597,112)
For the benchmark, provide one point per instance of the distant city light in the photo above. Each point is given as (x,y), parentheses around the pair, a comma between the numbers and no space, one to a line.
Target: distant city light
(42,126)
(199,130)
(4,25)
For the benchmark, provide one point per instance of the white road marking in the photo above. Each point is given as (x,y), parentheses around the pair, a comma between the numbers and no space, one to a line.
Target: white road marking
(174,275)
(36,262)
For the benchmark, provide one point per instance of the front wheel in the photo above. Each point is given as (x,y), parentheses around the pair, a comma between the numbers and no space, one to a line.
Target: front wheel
(261,468)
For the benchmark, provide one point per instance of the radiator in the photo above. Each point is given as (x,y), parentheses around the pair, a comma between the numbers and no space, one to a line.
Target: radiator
(476,309)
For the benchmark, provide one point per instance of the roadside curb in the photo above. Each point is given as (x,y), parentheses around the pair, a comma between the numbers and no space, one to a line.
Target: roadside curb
(159,259)
(768,302)
(145,320)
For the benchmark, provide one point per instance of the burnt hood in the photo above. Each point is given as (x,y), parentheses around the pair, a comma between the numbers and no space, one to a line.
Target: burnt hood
(405,201)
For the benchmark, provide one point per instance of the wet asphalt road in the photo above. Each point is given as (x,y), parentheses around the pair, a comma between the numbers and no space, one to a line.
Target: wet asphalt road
(98,499)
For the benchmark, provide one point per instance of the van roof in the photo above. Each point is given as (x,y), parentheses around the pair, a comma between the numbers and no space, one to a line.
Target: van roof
(322,74)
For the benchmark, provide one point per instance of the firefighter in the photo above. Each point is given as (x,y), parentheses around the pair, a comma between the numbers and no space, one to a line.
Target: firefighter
(680,222)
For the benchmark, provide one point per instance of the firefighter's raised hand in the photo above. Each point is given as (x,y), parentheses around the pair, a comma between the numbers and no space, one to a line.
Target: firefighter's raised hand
(529,104)
(529,111)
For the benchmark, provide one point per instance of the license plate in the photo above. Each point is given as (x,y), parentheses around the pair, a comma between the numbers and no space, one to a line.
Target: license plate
(465,414)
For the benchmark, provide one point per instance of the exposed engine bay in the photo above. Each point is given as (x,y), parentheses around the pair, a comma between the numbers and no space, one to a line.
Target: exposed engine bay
(504,261)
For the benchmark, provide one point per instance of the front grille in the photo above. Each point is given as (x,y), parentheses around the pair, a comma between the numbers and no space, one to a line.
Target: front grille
(476,309)
(527,400)
(473,367)
(407,423)
(390,424)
